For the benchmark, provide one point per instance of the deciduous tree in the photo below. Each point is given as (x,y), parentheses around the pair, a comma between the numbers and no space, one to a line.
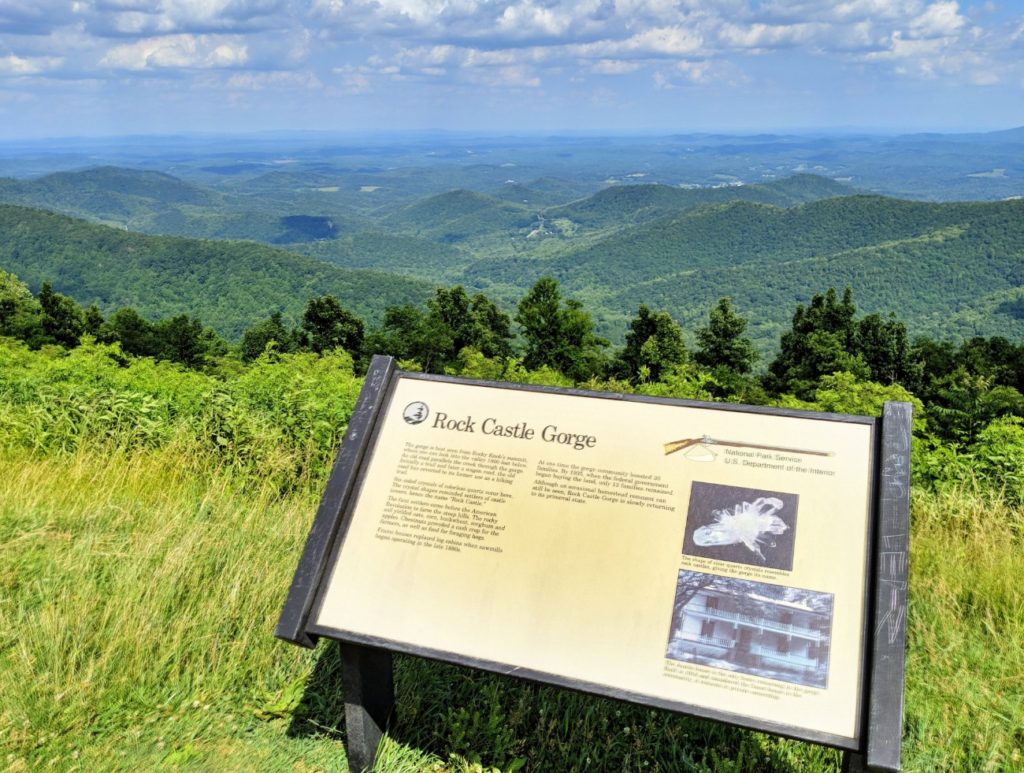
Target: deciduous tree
(654,344)
(559,335)
(20,313)
(822,340)
(462,321)
(63,320)
(256,338)
(721,343)
(180,339)
(135,333)
(327,325)
(882,344)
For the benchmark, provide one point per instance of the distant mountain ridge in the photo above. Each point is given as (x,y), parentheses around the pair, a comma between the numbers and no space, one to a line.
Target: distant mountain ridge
(642,203)
(159,203)
(228,285)
(457,215)
(500,224)
(104,192)
(267,207)
(736,232)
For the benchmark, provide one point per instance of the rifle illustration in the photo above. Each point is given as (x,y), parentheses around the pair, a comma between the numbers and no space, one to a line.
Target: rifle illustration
(706,440)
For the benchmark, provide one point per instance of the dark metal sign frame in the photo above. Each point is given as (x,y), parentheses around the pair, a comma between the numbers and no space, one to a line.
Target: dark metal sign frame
(368,684)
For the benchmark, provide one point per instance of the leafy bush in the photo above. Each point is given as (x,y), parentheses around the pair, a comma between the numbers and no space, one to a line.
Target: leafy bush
(282,418)
(997,458)
(845,393)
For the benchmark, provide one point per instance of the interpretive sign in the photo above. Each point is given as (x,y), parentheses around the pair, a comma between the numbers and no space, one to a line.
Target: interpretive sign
(714,559)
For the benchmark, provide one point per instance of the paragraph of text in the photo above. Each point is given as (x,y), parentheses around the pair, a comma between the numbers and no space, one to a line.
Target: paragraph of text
(460,463)
(459,513)
(580,485)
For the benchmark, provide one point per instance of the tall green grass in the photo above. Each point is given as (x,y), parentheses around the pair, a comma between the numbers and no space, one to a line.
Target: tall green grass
(137,599)
(150,521)
(965,667)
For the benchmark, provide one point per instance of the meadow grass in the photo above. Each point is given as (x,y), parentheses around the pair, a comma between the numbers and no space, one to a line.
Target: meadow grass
(137,602)
(139,591)
(965,666)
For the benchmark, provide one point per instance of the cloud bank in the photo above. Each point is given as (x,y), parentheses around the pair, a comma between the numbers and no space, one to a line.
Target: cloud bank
(468,49)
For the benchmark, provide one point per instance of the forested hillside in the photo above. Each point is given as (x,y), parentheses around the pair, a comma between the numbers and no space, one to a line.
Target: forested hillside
(630,204)
(112,194)
(305,208)
(460,215)
(406,255)
(229,285)
(946,267)
(159,203)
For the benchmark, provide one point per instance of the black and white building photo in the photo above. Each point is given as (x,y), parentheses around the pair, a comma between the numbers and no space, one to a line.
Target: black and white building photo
(771,631)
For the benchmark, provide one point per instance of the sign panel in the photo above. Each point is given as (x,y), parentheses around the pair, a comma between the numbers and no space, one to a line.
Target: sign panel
(701,557)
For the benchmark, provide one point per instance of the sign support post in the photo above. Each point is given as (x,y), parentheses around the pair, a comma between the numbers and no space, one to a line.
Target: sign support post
(889,622)
(368,684)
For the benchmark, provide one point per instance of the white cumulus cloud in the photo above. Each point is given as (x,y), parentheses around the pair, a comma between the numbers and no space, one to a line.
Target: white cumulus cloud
(527,19)
(17,65)
(760,35)
(182,51)
(938,20)
(134,17)
(673,41)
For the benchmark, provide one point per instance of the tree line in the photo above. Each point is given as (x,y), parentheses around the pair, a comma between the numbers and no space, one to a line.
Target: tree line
(965,385)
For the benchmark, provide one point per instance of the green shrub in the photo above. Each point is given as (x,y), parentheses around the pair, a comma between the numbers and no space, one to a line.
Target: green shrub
(997,457)
(283,417)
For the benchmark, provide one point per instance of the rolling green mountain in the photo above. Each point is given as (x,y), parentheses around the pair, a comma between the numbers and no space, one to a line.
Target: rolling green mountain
(720,235)
(302,207)
(516,222)
(107,193)
(631,204)
(157,203)
(542,192)
(228,285)
(946,269)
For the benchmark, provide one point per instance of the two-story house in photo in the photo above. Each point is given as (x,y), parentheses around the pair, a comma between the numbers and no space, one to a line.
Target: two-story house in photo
(729,624)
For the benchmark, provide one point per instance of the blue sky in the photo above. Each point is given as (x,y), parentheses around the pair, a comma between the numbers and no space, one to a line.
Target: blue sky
(107,67)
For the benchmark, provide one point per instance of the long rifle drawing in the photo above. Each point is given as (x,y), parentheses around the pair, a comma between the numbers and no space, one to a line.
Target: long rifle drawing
(706,440)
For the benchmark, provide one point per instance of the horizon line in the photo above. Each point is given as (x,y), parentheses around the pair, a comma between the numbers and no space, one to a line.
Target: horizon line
(384,134)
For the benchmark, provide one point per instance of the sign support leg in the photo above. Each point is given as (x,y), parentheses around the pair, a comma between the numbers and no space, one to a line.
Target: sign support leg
(853,762)
(368,684)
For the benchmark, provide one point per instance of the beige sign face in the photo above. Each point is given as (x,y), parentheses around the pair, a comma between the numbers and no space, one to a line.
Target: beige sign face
(707,557)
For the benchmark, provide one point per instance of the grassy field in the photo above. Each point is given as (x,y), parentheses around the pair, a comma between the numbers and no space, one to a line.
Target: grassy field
(140,583)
